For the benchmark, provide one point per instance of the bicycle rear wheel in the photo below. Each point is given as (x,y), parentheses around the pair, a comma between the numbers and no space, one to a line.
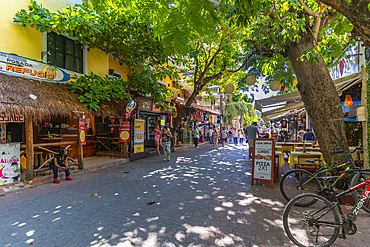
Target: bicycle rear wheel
(356,194)
(296,182)
(315,225)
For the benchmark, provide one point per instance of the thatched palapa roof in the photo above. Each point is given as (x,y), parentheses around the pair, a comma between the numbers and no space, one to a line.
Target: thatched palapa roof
(53,99)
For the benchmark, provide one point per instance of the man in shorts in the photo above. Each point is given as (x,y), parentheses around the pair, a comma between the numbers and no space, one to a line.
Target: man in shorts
(224,134)
(252,131)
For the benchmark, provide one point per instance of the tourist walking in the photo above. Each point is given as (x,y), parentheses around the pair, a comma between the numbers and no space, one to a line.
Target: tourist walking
(252,131)
(196,136)
(166,143)
(157,138)
(210,133)
(224,134)
(241,137)
(215,138)
(235,136)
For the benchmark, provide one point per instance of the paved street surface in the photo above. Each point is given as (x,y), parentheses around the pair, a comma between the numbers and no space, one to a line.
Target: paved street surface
(203,197)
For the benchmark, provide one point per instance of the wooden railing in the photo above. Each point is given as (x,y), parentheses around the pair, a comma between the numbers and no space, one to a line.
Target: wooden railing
(48,155)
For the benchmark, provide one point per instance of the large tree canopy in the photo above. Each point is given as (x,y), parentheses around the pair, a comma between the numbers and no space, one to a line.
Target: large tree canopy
(357,12)
(299,39)
(120,32)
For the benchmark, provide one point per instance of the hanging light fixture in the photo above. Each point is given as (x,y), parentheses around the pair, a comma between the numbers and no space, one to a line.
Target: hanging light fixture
(229,88)
(275,85)
(251,80)
(348,101)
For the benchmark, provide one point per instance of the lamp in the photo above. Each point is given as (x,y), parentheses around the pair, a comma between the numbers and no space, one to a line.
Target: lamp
(348,102)
(251,80)
(229,88)
(275,85)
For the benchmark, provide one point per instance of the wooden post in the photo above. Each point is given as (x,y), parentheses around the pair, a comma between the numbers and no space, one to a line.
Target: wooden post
(80,154)
(365,124)
(29,147)
(125,150)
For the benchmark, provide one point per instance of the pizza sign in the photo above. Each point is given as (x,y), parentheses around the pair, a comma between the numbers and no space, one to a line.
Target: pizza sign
(263,159)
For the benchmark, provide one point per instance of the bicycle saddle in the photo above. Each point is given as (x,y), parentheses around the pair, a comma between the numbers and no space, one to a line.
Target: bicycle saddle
(314,160)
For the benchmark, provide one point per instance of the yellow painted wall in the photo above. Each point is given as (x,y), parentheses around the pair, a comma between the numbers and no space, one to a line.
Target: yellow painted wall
(113,64)
(27,42)
(98,62)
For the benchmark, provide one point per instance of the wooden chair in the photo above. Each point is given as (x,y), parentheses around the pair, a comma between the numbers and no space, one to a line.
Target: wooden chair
(302,164)
(287,148)
(359,162)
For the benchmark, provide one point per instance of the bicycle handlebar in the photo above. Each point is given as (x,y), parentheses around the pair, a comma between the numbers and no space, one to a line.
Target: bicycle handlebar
(356,170)
(347,152)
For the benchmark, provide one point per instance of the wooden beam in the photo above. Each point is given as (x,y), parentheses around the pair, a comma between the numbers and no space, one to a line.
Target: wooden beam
(53,144)
(29,147)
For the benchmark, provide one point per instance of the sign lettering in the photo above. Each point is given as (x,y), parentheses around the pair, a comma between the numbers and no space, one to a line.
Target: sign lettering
(21,66)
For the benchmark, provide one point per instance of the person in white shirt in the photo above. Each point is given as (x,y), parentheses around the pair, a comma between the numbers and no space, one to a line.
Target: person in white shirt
(210,132)
(235,136)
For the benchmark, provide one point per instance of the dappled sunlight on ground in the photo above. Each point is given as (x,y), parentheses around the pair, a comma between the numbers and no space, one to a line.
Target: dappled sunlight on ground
(201,198)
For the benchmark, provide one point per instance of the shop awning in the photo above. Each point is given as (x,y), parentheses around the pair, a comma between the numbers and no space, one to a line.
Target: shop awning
(195,106)
(278,103)
(53,99)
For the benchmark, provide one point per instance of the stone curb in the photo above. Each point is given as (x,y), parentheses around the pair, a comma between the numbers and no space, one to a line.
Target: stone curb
(16,186)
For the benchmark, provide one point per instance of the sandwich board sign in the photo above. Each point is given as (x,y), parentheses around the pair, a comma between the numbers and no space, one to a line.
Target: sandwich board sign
(263,160)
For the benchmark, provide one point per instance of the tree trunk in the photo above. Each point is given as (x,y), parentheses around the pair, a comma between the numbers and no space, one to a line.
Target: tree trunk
(183,110)
(358,14)
(320,98)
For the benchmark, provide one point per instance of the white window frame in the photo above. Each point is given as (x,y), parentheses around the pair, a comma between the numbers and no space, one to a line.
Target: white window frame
(84,55)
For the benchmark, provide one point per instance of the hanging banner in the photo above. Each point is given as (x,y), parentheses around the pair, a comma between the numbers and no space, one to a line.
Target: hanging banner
(20,66)
(263,160)
(139,135)
(82,131)
(124,131)
(9,163)
(129,110)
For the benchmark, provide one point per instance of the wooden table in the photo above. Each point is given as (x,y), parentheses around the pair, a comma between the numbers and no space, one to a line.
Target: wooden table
(312,148)
(293,157)
(281,157)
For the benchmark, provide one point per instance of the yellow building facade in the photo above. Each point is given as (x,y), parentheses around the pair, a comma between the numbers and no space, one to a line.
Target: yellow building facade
(32,44)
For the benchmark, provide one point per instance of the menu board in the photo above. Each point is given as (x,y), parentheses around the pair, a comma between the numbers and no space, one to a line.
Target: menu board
(139,135)
(263,160)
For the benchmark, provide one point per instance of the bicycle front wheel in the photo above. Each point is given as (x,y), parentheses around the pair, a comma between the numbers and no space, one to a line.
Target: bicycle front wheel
(315,225)
(296,182)
(356,194)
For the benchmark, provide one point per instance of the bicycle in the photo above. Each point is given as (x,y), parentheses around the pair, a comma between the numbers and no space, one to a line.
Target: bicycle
(318,224)
(290,186)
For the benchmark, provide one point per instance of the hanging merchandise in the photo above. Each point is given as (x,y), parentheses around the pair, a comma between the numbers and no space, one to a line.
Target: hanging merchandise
(284,124)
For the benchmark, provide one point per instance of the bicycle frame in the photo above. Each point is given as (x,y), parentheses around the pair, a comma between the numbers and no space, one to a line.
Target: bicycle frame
(364,196)
(323,171)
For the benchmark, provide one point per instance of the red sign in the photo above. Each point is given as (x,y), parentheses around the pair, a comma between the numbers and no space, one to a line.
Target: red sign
(112,129)
(112,120)
(82,131)
(124,131)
